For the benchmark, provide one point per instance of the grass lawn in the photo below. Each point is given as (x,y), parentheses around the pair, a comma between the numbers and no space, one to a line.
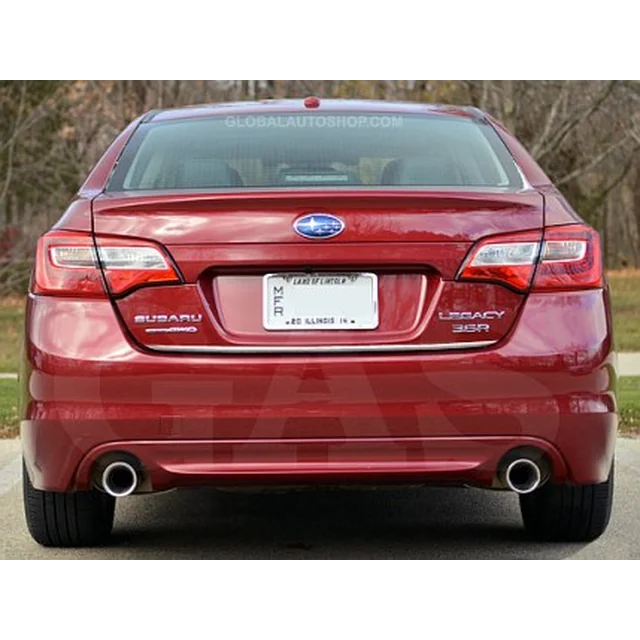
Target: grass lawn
(11,320)
(628,396)
(625,295)
(625,290)
(8,408)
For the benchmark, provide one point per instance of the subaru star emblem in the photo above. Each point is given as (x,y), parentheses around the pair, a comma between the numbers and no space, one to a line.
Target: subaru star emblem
(318,225)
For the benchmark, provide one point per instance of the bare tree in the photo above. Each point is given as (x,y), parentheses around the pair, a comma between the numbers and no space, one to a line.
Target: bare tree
(585,135)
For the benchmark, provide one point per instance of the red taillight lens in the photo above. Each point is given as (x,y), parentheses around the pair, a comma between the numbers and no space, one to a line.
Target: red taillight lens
(568,258)
(67,264)
(507,259)
(132,263)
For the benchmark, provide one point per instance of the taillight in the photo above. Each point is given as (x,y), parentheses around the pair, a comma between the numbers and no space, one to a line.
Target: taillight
(67,264)
(132,263)
(567,258)
(509,259)
(570,259)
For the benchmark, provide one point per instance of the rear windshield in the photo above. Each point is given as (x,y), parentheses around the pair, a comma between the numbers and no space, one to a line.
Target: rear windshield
(296,151)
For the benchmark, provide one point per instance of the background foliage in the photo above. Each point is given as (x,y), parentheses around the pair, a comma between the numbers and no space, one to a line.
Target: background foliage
(585,135)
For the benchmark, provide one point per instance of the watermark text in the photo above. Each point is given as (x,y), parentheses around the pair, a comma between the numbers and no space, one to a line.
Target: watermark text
(315,122)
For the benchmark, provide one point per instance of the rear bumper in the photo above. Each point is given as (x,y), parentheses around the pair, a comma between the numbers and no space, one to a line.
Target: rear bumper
(167,464)
(419,417)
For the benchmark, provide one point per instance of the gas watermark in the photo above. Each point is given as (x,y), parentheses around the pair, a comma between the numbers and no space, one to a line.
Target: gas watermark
(315,122)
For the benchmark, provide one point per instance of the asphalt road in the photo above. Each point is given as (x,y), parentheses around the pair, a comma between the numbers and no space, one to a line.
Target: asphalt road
(403,524)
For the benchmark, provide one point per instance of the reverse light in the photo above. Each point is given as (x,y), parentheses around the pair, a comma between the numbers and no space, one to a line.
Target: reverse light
(67,264)
(568,257)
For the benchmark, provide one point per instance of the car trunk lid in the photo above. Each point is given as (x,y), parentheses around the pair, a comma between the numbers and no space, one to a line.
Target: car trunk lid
(411,243)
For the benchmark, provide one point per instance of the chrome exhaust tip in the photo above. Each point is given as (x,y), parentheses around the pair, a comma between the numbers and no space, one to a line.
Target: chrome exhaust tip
(119,479)
(523,476)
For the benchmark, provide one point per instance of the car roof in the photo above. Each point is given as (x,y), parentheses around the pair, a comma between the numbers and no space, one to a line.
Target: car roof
(273,107)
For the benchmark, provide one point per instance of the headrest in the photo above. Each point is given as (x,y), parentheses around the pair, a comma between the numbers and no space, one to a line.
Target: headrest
(203,173)
(432,171)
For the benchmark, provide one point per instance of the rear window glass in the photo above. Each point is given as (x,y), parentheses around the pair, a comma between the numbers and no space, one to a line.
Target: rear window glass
(320,150)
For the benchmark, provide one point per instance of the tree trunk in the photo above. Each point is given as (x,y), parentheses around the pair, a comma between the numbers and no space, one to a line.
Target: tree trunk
(636,211)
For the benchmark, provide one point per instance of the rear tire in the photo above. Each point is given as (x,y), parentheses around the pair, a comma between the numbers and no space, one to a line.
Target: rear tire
(80,519)
(568,513)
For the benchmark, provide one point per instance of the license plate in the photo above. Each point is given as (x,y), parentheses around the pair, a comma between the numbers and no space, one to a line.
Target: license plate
(320,301)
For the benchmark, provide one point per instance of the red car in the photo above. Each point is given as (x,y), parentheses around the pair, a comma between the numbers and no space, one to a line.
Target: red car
(305,292)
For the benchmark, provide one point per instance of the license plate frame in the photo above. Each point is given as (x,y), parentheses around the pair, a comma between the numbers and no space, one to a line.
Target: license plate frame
(343,312)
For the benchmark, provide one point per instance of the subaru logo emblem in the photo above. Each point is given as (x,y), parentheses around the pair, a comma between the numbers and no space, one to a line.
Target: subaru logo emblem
(318,225)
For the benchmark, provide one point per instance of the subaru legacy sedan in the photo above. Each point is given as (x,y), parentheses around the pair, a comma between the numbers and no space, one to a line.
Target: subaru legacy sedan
(317,292)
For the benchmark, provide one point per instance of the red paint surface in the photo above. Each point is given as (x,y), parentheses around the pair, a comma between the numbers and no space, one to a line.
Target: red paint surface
(224,244)
(90,386)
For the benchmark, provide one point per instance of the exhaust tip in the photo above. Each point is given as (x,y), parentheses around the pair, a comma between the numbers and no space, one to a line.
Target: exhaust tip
(523,476)
(119,479)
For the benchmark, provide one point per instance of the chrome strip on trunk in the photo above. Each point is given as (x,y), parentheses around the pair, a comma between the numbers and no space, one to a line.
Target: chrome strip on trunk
(336,348)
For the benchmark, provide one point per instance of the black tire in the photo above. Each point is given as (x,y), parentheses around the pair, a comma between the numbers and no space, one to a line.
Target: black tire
(568,513)
(80,519)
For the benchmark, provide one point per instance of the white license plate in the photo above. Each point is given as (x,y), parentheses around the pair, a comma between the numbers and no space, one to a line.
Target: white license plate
(320,301)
